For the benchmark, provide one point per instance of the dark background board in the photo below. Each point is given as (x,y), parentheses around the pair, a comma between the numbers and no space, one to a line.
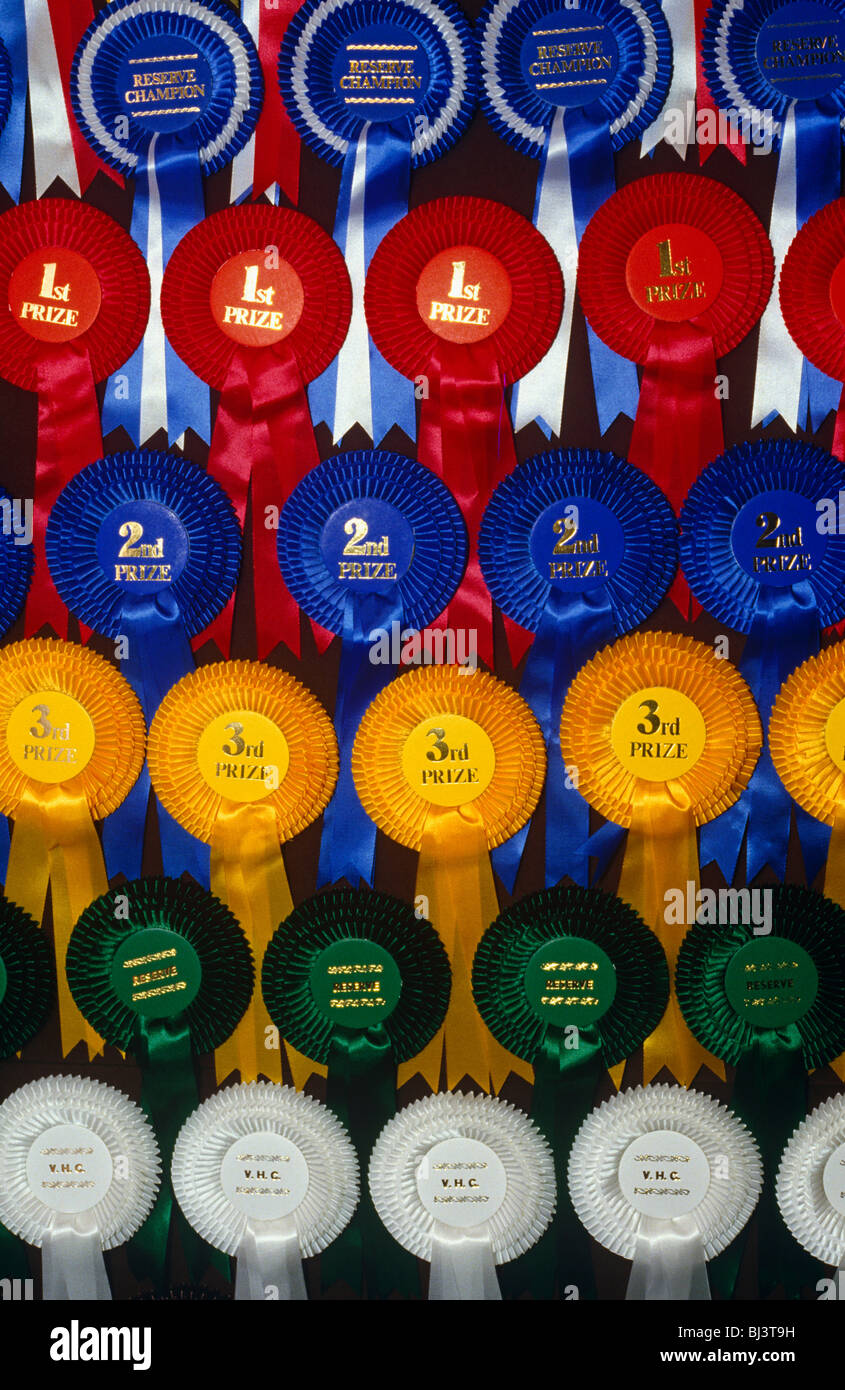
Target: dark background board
(482,165)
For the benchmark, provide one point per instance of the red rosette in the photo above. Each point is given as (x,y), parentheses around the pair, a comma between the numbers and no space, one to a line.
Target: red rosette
(93,306)
(507,302)
(812,299)
(263,436)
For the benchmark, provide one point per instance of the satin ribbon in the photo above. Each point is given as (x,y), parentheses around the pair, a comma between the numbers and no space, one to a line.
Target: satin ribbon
(576,177)
(359,386)
(72,1264)
(455,876)
(784,632)
(263,441)
(269,1257)
(462,1265)
(678,428)
(808,177)
(54,842)
(69,437)
(705,102)
(271,157)
(348,844)
(155,389)
(669,1261)
(573,627)
(662,842)
(681,19)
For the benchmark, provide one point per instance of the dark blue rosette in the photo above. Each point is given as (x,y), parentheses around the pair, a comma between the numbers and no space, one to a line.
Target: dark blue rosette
(15,578)
(145,547)
(578,547)
(378,87)
(164,92)
(373,547)
(760,553)
(569,86)
(778,66)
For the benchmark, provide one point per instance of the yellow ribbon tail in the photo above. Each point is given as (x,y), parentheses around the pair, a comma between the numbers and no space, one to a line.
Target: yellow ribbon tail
(662,833)
(248,874)
(54,837)
(455,875)
(616,1073)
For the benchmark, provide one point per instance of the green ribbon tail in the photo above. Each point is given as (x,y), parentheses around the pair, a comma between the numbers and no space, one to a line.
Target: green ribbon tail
(168,1095)
(361,1090)
(14,1263)
(770,1096)
(565,1084)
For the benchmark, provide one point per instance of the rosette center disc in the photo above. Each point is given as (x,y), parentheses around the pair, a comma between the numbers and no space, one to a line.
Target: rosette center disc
(355,983)
(658,734)
(448,760)
(464,294)
(577,543)
(69,1168)
(462,1182)
(143,546)
(55,294)
(163,83)
(264,1176)
(570,980)
(664,1174)
(156,973)
(50,736)
(243,755)
(674,272)
(381,71)
(569,59)
(800,50)
(367,544)
(776,540)
(256,304)
(771,983)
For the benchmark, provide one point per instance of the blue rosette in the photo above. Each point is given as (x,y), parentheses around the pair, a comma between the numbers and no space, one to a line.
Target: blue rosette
(15,577)
(379,87)
(570,86)
(373,547)
(579,547)
(755,557)
(779,66)
(146,548)
(164,91)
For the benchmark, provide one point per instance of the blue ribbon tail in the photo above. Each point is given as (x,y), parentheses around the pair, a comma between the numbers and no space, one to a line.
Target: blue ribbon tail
(819,395)
(5,841)
(592,181)
(603,845)
(14,132)
(348,844)
(814,837)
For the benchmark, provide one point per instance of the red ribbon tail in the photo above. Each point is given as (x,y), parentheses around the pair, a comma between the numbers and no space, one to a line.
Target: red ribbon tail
(69,20)
(837,448)
(705,102)
(277,144)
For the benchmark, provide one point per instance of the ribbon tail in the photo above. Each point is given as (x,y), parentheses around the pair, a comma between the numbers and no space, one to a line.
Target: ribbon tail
(14,132)
(270,1263)
(675,124)
(72,1265)
(52,147)
(669,1261)
(462,1266)
(777,384)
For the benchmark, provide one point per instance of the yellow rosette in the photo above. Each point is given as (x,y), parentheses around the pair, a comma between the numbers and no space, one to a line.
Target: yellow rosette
(665,737)
(244,757)
(451,763)
(72,739)
(807,741)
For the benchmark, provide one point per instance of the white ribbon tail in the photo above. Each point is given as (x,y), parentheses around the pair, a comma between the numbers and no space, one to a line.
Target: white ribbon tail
(72,1265)
(539,395)
(243,165)
(777,386)
(353,402)
(52,144)
(669,1261)
(462,1265)
(270,1263)
(676,122)
(153,369)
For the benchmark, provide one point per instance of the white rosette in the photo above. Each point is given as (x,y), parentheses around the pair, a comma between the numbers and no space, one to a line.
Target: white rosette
(810,1184)
(484,1168)
(666,1178)
(79,1172)
(269,1175)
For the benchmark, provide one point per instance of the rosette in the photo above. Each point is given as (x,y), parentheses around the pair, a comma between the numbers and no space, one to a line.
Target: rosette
(74,299)
(451,763)
(270,159)
(564,957)
(812,303)
(467,296)
(674,272)
(164,91)
(79,1170)
(370,544)
(146,548)
(244,757)
(360,983)
(573,124)
(578,547)
(792,89)
(27,979)
(169,978)
(71,747)
(269,1176)
(421,1171)
(807,739)
(666,1178)
(773,1006)
(379,88)
(664,736)
(256,300)
(809,1183)
(754,557)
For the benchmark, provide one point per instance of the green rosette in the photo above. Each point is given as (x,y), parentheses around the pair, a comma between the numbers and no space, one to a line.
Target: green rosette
(160,968)
(772,1006)
(27,991)
(359,983)
(572,981)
